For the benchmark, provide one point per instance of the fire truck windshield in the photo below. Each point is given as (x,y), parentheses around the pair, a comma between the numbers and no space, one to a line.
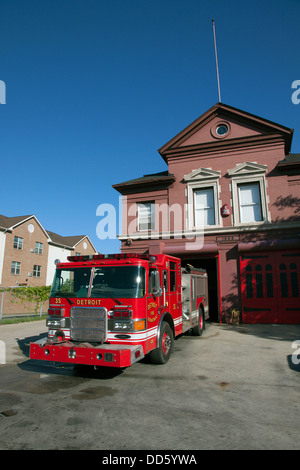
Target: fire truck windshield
(102,282)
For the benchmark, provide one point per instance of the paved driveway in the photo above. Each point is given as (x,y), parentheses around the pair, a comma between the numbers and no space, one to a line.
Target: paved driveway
(236,387)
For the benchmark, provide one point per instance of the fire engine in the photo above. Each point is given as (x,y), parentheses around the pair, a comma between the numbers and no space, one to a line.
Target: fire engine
(113,310)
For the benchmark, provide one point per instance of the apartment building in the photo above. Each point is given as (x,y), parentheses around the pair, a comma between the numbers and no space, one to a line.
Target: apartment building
(228,202)
(28,254)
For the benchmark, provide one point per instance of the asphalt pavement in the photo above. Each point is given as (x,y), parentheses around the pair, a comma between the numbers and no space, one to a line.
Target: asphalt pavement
(236,387)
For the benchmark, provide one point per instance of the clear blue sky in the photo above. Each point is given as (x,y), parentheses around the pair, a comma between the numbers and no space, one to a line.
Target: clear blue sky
(95,87)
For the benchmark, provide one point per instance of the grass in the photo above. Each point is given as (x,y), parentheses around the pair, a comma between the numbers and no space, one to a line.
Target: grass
(9,321)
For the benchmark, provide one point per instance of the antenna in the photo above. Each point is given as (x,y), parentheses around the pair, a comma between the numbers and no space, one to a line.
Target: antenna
(219,91)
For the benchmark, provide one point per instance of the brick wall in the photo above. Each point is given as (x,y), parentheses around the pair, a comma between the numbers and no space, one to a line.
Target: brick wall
(7,307)
(31,232)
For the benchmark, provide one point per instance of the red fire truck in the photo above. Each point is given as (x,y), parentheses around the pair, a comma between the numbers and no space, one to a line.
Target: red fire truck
(113,310)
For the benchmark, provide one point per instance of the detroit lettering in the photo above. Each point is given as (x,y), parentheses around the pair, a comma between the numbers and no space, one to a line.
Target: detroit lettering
(88,302)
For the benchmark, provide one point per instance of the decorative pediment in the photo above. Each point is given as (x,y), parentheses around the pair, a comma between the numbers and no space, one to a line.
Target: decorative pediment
(247,168)
(202,174)
(223,127)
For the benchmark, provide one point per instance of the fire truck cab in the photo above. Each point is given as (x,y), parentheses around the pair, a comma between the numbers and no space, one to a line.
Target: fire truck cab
(113,310)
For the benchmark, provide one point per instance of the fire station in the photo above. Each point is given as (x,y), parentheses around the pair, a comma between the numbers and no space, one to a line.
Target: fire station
(228,202)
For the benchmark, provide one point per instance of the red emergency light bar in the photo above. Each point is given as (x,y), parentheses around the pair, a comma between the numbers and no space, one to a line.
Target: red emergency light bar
(112,256)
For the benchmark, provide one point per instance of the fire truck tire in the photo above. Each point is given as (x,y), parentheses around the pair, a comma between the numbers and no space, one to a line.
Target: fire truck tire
(198,329)
(162,354)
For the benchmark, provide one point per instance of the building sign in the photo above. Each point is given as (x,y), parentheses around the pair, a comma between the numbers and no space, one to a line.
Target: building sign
(227,238)
(225,210)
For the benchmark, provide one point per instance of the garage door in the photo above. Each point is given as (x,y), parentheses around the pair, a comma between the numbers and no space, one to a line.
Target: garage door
(270,286)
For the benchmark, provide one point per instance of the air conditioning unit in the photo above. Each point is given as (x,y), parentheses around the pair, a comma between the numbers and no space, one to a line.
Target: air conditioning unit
(32,250)
(29,274)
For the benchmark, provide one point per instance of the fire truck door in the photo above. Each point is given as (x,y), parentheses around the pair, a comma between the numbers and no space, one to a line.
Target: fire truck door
(165,286)
(174,298)
(153,304)
(186,280)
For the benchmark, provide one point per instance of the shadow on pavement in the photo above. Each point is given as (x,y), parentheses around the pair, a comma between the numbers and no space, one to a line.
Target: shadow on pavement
(49,367)
(24,344)
(274,332)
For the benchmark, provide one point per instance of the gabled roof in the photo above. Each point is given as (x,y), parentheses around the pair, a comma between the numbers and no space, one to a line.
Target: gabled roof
(9,223)
(69,242)
(265,131)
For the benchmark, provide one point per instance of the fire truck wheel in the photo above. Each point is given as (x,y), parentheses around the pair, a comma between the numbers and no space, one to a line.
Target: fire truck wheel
(198,330)
(162,354)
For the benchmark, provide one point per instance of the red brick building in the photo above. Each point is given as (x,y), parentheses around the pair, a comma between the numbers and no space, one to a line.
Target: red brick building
(229,202)
(28,253)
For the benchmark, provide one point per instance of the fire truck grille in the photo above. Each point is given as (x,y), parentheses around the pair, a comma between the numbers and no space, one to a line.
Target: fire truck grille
(88,324)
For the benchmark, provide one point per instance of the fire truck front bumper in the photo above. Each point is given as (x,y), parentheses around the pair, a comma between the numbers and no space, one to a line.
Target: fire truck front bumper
(110,355)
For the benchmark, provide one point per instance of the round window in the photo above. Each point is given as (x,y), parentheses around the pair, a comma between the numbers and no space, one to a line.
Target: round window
(222,129)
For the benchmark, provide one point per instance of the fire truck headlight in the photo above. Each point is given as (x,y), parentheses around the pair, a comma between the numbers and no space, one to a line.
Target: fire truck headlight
(55,322)
(123,326)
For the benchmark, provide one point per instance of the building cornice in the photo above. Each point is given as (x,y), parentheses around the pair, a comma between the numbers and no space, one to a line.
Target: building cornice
(237,229)
(221,147)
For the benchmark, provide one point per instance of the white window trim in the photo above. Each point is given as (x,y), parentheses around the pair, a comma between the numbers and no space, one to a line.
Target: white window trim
(19,242)
(249,173)
(39,247)
(36,272)
(152,215)
(200,179)
(17,267)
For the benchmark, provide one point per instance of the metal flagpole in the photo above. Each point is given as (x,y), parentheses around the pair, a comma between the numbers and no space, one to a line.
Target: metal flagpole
(213,21)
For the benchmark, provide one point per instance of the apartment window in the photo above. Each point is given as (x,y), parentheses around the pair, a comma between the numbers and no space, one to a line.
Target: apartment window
(18,243)
(145,216)
(38,248)
(15,267)
(204,207)
(36,271)
(249,202)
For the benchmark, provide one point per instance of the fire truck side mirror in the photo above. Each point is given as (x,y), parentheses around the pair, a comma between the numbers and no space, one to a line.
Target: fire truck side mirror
(155,282)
